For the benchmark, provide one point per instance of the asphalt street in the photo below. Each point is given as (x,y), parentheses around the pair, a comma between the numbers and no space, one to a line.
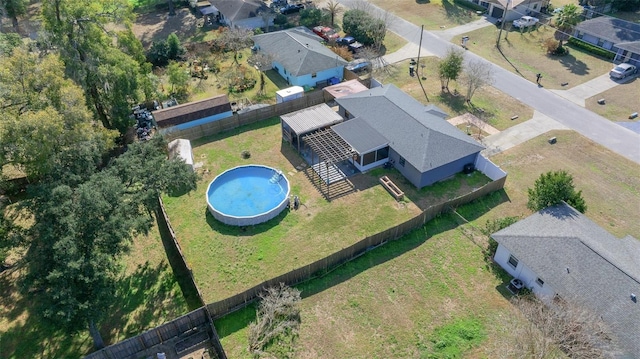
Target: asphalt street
(589,124)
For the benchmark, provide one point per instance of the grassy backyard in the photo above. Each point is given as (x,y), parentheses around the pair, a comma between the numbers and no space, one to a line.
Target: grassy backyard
(523,54)
(226,260)
(389,303)
(147,296)
(497,107)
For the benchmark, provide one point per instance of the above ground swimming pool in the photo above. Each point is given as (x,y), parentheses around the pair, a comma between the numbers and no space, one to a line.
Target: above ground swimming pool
(248,195)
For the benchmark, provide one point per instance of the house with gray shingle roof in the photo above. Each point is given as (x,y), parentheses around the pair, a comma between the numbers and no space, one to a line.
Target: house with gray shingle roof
(558,251)
(300,57)
(247,14)
(617,35)
(385,124)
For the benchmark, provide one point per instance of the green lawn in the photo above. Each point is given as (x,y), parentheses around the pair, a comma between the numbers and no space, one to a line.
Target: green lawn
(147,296)
(433,14)
(226,260)
(498,107)
(524,55)
(395,301)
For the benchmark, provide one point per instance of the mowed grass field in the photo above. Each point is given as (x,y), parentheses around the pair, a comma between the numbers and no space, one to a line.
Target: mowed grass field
(388,303)
(497,107)
(524,54)
(620,101)
(227,260)
(433,14)
(147,296)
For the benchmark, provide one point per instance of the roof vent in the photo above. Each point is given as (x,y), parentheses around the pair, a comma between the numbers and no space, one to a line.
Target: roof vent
(633,298)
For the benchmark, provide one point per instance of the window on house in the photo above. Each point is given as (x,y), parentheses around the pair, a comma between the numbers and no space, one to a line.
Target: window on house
(382,153)
(368,158)
(484,4)
(401,161)
(540,282)
(347,115)
(535,6)
(513,261)
(314,75)
(580,34)
(600,42)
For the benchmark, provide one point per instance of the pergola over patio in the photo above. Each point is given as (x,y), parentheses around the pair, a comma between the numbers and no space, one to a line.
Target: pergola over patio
(331,150)
(299,123)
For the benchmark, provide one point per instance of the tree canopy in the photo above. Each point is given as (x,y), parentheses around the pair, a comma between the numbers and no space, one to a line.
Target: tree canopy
(450,67)
(84,220)
(106,71)
(552,188)
(364,27)
(42,113)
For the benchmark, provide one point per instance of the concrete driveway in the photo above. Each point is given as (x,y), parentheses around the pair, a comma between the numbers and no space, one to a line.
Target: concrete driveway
(580,93)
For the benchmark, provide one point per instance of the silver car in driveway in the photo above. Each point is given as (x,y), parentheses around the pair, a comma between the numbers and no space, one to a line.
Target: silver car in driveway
(623,70)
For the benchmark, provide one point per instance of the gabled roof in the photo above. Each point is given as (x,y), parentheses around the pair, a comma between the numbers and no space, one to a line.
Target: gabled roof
(359,135)
(299,50)
(416,132)
(192,111)
(611,29)
(582,262)
(239,9)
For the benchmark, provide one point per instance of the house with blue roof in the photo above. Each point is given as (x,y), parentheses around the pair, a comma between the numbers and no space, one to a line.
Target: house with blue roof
(560,252)
(300,57)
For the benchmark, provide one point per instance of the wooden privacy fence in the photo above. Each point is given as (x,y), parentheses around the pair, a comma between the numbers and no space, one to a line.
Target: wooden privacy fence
(257,115)
(175,334)
(322,266)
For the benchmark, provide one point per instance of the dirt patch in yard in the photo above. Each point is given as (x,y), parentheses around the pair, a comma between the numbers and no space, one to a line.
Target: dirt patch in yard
(157,25)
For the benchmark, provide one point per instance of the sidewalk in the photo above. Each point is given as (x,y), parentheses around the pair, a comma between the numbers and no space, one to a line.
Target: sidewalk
(448,34)
(580,93)
(513,136)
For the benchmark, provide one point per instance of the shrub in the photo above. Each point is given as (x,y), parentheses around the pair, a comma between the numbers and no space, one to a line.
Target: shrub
(470,5)
(591,48)
(550,45)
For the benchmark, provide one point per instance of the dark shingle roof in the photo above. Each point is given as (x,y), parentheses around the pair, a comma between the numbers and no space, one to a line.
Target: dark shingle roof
(191,111)
(416,132)
(239,9)
(611,29)
(298,50)
(602,272)
(359,135)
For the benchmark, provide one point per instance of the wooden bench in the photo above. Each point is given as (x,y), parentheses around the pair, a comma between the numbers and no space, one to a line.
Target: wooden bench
(392,188)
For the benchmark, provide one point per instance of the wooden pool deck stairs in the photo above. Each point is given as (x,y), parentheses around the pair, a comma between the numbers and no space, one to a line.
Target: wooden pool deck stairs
(392,188)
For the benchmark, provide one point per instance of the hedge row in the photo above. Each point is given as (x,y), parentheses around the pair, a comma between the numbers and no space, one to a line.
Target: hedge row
(470,5)
(592,48)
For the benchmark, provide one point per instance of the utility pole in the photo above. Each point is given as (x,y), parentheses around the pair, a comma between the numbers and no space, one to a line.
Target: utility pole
(504,15)
(418,64)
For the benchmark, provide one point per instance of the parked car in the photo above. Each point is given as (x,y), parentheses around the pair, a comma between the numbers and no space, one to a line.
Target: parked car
(358,66)
(291,8)
(525,22)
(623,70)
(325,32)
(350,42)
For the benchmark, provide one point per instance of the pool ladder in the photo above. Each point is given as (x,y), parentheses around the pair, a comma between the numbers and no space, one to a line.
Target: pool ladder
(276,176)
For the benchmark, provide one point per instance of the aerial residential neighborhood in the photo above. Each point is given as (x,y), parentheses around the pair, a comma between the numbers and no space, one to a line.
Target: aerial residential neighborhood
(319,179)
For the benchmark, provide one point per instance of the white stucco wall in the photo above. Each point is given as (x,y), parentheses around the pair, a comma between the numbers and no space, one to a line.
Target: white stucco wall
(523,272)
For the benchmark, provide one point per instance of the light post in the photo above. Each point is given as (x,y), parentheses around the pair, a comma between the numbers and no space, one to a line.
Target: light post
(504,15)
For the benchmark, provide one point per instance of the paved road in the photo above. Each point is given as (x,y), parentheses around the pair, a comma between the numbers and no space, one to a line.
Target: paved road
(615,137)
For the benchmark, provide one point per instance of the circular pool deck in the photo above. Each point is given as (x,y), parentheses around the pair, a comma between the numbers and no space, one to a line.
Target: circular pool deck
(248,195)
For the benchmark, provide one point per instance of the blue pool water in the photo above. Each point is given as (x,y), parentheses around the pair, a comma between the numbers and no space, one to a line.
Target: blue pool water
(248,195)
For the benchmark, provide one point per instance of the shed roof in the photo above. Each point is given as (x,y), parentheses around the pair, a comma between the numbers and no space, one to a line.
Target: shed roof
(299,50)
(311,118)
(345,88)
(416,132)
(611,29)
(362,137)
(191,111)
(582,262)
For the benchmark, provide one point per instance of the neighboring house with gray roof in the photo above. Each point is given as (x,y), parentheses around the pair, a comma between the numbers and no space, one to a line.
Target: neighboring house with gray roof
(246,14)
(558,251)
(385,124)
(617,35)
(299,56)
